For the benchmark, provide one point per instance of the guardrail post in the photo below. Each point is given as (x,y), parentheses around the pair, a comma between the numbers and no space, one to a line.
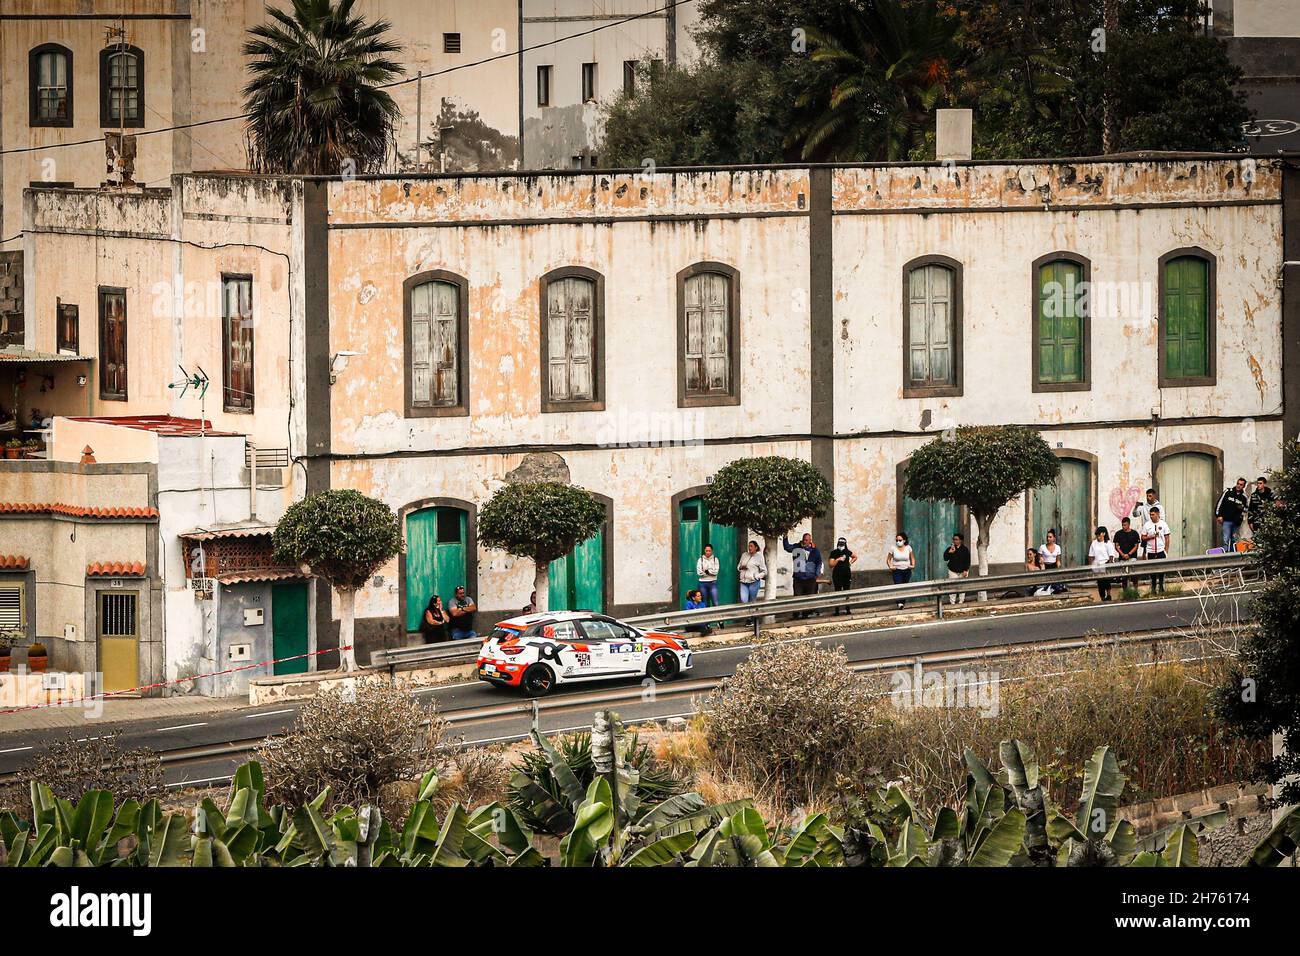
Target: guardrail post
(918,675)
(938,606)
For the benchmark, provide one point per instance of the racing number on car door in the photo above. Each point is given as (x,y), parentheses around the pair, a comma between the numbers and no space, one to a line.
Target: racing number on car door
(618,643)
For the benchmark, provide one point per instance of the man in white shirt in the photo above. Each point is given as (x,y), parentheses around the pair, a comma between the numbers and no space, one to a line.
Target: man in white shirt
(1155,537)
(1142,512)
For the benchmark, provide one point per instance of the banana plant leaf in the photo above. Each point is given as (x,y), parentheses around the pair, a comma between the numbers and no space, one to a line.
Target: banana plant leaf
(1103,783)
(1002,842)
(1182,848)
(591,827)
(171,842)
(1281,842)
(549,813)
(663,852)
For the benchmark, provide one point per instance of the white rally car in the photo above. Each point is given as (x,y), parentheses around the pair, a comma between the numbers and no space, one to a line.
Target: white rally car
(535,652)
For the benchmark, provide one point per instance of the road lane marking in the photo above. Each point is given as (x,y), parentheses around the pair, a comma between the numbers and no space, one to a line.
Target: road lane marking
(160,730)
(14,750)
(269,713)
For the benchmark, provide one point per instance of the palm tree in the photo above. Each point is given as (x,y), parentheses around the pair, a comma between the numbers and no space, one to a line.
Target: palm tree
(315,100)
(883,73)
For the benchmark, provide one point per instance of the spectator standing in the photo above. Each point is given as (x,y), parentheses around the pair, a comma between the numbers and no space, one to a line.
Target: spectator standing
(841,561)
(1229,512)
(1127,543)
(957,557)
(1101,553)
(1142,511)
(531,606)
(900,560)
(1155,537)
(807,567)
(434,621)
(706,569)
(462,615)
(1053,558)
(752,570)
(1261,499)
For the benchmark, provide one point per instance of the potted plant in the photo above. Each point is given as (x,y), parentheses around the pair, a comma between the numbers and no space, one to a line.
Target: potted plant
(32,448)
(12,447)
(38,658)
(7,639)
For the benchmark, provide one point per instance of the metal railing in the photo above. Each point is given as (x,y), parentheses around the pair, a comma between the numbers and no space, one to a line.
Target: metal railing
(938,590)
(754,613)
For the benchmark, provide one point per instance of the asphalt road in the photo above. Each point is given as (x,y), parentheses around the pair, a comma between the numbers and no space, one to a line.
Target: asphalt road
(509,717)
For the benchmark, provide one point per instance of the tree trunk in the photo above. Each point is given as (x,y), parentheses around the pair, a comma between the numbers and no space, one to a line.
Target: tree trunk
(771,548)
(1110,24)
(982,523)
(541,579)
(347,617)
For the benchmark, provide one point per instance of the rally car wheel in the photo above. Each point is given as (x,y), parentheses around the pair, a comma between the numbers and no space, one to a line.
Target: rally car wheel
(537,680)
(662,666)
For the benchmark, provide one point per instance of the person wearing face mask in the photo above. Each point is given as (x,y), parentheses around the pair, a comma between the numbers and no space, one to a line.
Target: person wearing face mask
(957,557)
(900,560)
(842,558)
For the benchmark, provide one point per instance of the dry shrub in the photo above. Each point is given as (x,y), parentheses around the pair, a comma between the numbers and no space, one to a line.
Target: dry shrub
(362,744)
(471,776)
(71,767)
(1155,718)
(792,717)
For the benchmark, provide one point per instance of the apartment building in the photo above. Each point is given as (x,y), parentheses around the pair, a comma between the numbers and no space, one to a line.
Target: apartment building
(426,338)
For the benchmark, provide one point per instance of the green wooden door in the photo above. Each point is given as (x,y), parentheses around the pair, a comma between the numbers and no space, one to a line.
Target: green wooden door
(1187,317)
(1185,484)
(694,531)
(436,550)
(577,580)
(289,626)
(1064,506)
(930,526)
(1060,322)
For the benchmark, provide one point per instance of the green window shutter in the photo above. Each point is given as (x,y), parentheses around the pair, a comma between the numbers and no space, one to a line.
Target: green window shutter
(1060,322)
(1187,318)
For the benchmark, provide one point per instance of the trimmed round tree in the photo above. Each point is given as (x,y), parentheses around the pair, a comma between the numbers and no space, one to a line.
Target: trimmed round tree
(769,495)
(1260,699)
(540,520)
(981,468)
(342,537)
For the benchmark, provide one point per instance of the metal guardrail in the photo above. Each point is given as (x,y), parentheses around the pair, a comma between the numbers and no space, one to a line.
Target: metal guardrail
(445,652)
(457,652)
(938,590)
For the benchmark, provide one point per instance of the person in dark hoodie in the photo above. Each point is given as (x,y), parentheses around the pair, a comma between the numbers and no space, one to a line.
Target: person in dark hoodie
(1261,499)
(1229,512)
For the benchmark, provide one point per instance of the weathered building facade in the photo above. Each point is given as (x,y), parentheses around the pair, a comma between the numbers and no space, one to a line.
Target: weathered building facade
(169,75)
(426,339)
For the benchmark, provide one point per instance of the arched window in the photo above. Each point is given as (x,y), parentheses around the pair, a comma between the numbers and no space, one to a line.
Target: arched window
(573,312)
(121,86)
(708,329)
(49,70)
(1187,310)
(436,321)
(1061,327)
(931,327)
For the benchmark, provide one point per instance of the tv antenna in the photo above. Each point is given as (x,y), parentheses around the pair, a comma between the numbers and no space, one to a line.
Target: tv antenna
(198,381)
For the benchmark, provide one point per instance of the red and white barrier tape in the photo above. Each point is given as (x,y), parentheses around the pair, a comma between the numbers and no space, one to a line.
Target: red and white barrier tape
(180,680)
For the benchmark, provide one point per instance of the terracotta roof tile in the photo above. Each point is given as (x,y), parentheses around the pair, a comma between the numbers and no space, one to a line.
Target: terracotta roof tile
(76,511)
(14,562)
(115,569)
